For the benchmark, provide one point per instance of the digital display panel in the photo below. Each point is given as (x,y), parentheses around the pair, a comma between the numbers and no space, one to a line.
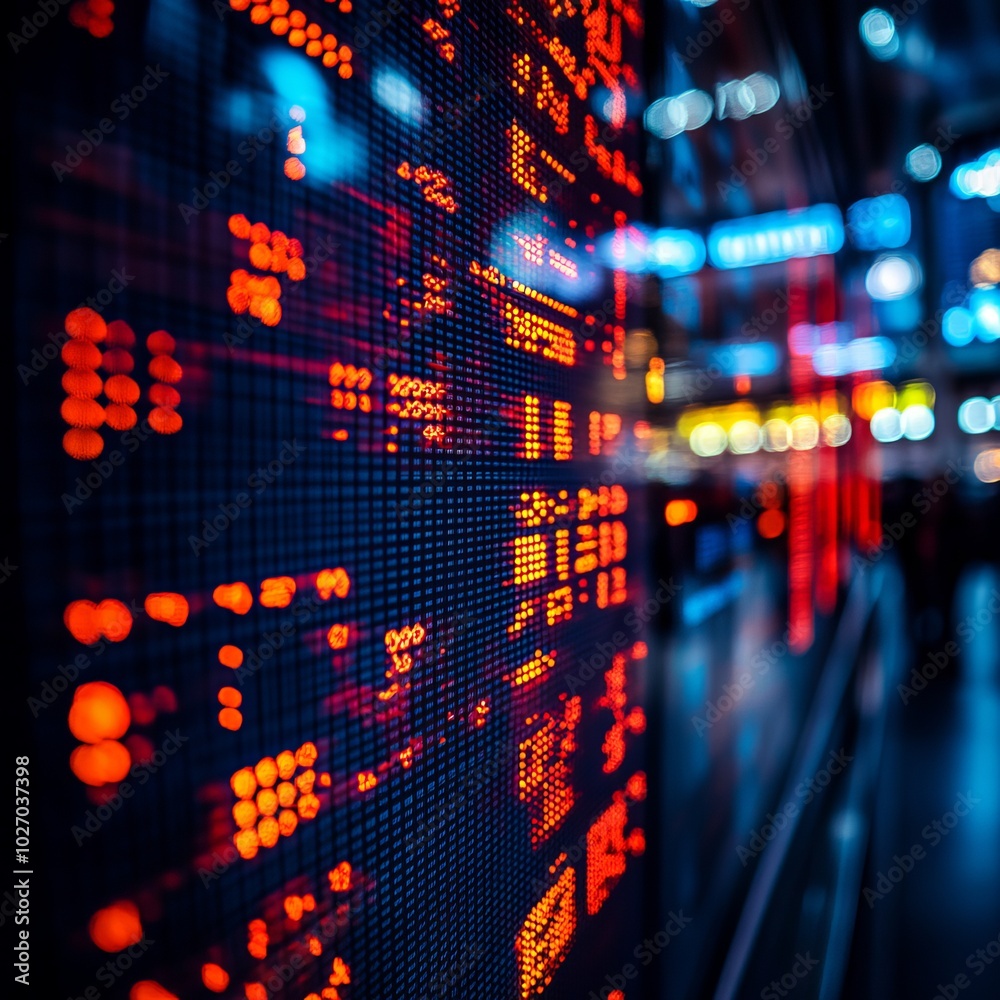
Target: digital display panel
(329,571)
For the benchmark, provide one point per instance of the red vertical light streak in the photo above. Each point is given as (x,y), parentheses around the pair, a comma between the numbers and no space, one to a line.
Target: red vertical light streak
(620,282)
(801,480)
(827,495)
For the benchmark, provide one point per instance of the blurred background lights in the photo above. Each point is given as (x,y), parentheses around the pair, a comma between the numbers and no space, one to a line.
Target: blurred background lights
(976,415)
(887,425)
(980,179)
(669,116)
(893,276)
(878,32)
(676,251)
(776,436)
(708,440)
(985,269)
(987,466)
(804,433)
(396,94)
(923,163)
(744,437)
(957,327)
(740,99)
(864,354)
(836,430)
(985,306)
(776,237)
(917,422)
(879,223)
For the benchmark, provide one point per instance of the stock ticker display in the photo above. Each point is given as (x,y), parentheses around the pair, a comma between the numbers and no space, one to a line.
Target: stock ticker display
(329,549)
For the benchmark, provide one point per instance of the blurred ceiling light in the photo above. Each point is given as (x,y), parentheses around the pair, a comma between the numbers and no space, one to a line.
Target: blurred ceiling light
(957,327)
(669,116)
(887,425)
(708,440)
(776,237)
(865,354)
(917,422)
(804,433)
(396,94)
(892,277)
(744,438)
(775,434)
(985,306)
(673,252)
(740,99)
(923,163)
(700,3)
(980,179)
(836,430)
(877,223)
(987,466)
(985,269)
(878,32)
(976,415)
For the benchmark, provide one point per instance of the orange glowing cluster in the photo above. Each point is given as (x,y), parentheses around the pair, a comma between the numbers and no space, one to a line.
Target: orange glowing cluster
(116,926)
(257,939)
(300,32)
(615,700)
(545,938)
(538,666)
(297,906)
(338,636)
(530,559)
(611,588)
(333,581)
(562,431)
(611,165)
(525,174)
(234,596)
(678,512)
(272,799)
(494,276)
(566,267)
(99,712)
(562,554)
(530,332)
(410,387)
(539,508)
(547,98)
(340,877)
(605,501)
(295,169)
(94,16)
(436,185)
(608,848)
(340,973)
(147,989)
(600,545)
(163,418)
(602,428)
(268,251)
(350,378)
(214,977)
(449,8)
(89,622)
(277,592)
(437,32)
(170,608)
(533,247)
(82,383)
(559,605)
(543,773)
(532,427)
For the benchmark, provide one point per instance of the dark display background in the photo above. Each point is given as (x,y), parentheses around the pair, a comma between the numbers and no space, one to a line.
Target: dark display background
(445,875)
